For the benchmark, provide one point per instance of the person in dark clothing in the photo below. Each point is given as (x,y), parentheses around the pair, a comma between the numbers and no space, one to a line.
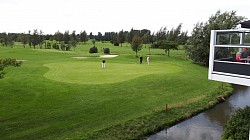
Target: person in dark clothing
(245,53)
(141,59)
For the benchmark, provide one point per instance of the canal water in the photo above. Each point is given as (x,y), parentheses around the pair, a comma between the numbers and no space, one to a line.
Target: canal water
(207,125)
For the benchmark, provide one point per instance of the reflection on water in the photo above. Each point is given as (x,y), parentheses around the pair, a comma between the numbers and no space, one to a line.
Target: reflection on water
(209,124)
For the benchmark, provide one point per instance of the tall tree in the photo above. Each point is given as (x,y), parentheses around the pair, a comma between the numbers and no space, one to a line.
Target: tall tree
(136,44)
(11,40)
(73,39)
(146,38)
(99,36)
(6,39)
(29,38)
(199,42)
(115,39)
(169,39)
(58,36)
(24,39)
(35,38)
(91,35)
(41,39)
(182,38)
(167,45)
(121,37)
(107,36)
(1,38)
(83,37)
(161,34)
(173,34)
(66,37)
(131,35)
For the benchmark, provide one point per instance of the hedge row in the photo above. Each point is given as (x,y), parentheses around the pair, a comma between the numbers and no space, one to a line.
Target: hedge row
(237,127)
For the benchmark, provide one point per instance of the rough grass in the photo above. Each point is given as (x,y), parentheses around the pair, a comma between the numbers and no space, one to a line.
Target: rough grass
(53,96)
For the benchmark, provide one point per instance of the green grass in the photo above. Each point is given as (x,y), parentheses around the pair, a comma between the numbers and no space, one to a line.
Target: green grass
(54,96)
(84,72)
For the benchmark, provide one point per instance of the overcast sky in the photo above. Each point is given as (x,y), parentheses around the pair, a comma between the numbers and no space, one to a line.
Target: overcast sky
(110,15)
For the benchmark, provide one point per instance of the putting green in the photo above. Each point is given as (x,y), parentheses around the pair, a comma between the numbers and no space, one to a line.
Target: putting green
(92,73)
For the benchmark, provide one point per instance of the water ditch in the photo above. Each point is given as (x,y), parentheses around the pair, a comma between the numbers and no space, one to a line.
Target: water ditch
(207,125)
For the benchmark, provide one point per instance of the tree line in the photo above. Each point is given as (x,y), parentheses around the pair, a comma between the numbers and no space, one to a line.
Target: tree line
(66,40)
(196,46)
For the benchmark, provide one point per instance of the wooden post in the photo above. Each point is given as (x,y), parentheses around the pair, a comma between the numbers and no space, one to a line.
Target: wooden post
(222,85)
(166,107)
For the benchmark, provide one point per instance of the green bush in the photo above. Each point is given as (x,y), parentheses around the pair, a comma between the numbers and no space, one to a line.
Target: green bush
(155,45)
(8,62)
(48,45)
(63,47)
(68,47)
(93,50)
(116,44)
(237,127)
(106,50)
(55,46)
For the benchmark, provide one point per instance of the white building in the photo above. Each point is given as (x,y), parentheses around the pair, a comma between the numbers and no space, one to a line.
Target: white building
(224,45)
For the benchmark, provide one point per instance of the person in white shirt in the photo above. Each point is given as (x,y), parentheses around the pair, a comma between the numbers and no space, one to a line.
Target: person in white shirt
(148,60)
(103,64)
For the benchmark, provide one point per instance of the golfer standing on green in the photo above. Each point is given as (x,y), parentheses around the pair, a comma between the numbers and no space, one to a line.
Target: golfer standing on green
(148,60)
(103,64)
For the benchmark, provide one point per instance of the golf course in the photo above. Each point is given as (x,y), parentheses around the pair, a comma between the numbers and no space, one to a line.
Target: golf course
(57,95)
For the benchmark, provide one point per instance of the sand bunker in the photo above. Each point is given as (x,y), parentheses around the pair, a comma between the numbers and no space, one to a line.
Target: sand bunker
(101,56)
(108,56)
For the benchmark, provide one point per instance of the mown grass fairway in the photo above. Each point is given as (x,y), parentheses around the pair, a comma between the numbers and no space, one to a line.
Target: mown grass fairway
(54,96)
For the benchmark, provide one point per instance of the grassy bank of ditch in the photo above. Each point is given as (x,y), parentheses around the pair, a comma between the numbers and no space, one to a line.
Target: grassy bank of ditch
(144,126)
(56,96)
